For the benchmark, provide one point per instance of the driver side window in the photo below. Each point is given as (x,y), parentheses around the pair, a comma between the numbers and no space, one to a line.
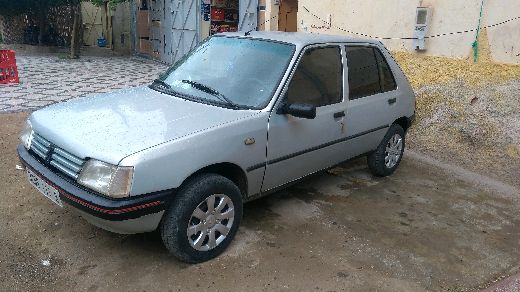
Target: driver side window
(318,79)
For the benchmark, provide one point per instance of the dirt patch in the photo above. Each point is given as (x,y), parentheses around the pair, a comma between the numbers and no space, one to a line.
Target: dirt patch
(294,211)
(467,114)
(420,229)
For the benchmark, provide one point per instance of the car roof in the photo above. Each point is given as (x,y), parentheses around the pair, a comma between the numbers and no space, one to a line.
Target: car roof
(300,38)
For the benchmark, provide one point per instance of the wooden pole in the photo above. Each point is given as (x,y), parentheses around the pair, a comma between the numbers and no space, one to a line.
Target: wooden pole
(75,43)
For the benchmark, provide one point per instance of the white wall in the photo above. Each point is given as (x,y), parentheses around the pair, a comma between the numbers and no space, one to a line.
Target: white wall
(92,22)
(271,10)
(396,18)
(504,40)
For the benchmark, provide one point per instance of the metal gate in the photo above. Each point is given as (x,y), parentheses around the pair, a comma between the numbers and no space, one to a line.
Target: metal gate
(180,28)
(175,26)
(248,15)
(156,31)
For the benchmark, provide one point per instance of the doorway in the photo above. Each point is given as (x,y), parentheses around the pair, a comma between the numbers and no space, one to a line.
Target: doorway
(288,16)
(227,15)
(223,16)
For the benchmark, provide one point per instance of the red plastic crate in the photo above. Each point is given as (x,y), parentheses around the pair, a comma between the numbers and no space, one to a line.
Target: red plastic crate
(8,68)
(217,14)
(8,56)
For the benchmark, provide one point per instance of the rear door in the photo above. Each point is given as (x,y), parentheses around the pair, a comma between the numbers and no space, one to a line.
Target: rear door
(297,146)
(372,98)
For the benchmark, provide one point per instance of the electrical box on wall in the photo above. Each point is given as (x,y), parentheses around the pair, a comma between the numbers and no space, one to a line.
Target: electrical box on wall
(422,23)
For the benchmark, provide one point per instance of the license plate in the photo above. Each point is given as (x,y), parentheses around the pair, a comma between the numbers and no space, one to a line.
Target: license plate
(44,188)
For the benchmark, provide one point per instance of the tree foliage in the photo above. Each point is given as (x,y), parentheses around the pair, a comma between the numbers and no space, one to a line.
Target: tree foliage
(17,7)
(37,12)
(112,3)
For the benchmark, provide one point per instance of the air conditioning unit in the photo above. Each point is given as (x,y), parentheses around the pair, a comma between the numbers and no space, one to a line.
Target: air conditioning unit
(422,23)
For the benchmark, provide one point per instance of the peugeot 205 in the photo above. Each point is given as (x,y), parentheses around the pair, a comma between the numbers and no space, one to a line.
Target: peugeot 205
(239,117)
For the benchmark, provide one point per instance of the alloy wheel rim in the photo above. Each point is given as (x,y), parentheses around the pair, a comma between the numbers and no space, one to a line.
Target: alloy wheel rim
(211,222)
(393,150)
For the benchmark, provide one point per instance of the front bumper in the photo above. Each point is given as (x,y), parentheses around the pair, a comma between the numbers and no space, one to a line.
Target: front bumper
(129,215)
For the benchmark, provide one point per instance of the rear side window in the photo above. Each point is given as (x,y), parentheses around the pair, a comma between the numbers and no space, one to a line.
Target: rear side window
(368,72)
(385,74)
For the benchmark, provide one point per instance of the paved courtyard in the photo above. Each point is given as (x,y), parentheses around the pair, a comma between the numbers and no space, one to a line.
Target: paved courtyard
(48,80)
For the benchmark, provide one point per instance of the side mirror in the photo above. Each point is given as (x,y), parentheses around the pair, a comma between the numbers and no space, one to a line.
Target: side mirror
(305,111)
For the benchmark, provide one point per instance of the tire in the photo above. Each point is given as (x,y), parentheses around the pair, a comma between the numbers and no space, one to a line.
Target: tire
(196,194)
(386,158)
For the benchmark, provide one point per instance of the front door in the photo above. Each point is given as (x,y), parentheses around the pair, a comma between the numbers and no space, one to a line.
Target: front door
(297,146)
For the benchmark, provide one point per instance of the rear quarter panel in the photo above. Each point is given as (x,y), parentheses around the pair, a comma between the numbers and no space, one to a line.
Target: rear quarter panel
(405,106)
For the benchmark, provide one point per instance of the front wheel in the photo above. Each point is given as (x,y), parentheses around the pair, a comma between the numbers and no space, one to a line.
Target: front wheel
(203,219)
(385,160)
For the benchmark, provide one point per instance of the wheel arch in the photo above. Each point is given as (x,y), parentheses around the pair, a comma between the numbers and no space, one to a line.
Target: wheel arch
(228,170)
(404,122)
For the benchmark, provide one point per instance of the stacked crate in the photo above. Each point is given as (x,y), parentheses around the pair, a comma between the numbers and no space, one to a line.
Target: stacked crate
(8,69)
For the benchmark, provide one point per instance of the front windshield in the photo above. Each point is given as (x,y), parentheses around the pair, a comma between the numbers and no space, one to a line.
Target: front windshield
(230,71)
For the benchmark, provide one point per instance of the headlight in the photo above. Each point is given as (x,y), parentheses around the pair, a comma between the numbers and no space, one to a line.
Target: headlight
(27,134)
(107,179)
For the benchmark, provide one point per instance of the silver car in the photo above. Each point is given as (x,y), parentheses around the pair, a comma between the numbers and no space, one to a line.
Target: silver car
(239,117)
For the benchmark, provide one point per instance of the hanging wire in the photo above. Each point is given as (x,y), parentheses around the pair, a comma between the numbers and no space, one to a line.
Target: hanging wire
(407,38)
(265,22)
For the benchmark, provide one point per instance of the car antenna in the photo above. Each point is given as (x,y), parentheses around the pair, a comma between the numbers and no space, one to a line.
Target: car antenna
(249,32)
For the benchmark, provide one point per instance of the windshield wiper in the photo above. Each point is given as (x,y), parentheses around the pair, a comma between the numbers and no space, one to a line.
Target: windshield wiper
(211,91)
(159,81)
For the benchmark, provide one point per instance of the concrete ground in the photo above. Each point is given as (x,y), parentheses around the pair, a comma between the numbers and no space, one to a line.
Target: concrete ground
(430,226)
(427,227)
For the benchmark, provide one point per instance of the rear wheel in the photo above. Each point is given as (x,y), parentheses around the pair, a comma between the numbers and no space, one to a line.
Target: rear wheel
(385,160)
(203,218)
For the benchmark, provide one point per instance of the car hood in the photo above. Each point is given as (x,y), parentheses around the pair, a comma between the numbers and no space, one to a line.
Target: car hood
(110,127)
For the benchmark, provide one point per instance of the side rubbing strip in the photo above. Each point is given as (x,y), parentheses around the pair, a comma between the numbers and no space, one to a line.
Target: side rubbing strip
(280,159)
(255,167)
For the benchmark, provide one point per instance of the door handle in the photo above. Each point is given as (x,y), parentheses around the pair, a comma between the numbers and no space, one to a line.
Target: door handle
(392,101)
(339,114)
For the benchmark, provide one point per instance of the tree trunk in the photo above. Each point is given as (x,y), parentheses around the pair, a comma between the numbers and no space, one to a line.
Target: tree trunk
(106,33)
(75,42)
(42,23)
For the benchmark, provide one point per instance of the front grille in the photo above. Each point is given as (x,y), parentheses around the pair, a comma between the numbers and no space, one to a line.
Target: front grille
(56,157)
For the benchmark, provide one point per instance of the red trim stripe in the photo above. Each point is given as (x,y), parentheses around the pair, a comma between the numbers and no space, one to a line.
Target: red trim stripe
(110,211)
